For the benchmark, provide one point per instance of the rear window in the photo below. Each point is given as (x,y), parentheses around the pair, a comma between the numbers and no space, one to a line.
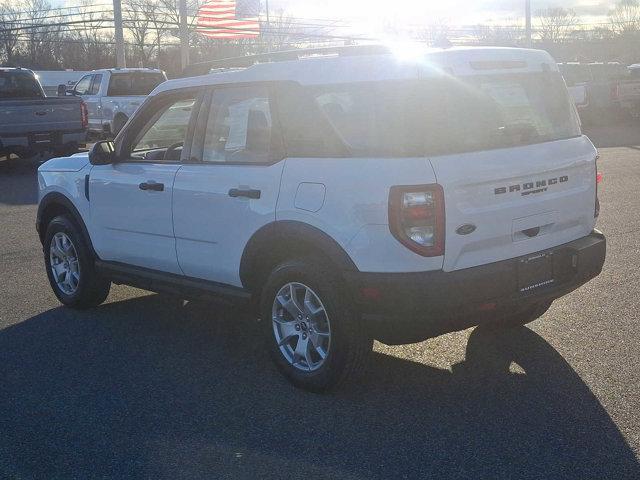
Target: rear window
(134,83)
(446,116)
(19,85)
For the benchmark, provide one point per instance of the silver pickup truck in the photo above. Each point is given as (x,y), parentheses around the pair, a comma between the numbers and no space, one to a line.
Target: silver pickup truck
(113,95)
(31,123)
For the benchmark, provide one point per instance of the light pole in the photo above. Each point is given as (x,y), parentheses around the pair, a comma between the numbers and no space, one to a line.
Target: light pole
(527,8)
(119,34)
(184,33)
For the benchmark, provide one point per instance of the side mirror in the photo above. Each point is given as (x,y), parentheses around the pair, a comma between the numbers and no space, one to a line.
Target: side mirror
(103,153)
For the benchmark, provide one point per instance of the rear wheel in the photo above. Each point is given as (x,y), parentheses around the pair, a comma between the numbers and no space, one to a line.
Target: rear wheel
(313,334)
(70,266)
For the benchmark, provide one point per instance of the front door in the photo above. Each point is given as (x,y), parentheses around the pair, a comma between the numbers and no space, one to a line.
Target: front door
(220,201)
(131,217)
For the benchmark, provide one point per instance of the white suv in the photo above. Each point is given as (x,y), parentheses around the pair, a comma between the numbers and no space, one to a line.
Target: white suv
(349,197)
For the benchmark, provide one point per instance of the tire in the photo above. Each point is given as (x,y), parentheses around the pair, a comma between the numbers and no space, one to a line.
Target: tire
(74,279)
(118,122)
(522,317)
(347,345)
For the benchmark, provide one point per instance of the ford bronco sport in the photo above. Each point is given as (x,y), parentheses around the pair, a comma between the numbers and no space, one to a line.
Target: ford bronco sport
(349,195)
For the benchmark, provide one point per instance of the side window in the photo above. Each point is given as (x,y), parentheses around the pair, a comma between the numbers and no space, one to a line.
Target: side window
(83,86)
(239,127)
(95,85)
(119,85)
(163,136)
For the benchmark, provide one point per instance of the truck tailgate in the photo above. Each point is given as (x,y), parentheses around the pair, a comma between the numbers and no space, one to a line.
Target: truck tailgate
(19,117)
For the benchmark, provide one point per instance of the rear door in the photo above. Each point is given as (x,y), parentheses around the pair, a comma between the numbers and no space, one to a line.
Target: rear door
(91,98)
(230,188)
(131,212)
(518,171)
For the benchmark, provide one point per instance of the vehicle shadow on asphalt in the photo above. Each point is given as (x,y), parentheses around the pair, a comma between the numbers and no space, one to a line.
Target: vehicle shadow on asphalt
(152,388)
(19,181)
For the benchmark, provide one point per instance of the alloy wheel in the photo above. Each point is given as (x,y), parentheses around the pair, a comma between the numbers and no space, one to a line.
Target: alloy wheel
(301,326)
(63,260)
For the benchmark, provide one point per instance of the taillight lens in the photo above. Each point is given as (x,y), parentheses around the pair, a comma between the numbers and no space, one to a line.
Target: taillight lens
(416,218)
(84,115)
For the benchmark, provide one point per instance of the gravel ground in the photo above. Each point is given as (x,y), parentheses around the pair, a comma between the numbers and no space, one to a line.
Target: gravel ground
(145,387)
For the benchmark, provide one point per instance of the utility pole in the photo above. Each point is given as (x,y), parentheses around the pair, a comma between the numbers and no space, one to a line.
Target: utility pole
(119,33)
(268,27)
(184,33)
(528,22)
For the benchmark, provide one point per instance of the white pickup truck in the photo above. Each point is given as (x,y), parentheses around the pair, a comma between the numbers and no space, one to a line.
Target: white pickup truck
(113,95)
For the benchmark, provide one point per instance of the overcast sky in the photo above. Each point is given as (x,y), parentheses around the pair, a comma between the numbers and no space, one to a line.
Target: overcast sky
(454,11)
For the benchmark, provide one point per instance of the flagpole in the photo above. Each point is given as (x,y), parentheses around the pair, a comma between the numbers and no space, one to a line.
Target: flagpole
(268,26)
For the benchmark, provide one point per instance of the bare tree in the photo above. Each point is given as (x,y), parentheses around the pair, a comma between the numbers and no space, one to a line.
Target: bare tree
(625,17)
(136,18)
(498,35)
(41,36)
(9,19)
(436,33)
(88,45)
(555,24)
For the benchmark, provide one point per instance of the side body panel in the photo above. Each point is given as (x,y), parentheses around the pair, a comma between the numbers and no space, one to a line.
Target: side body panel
(354,211)
(211,227)
(131,225)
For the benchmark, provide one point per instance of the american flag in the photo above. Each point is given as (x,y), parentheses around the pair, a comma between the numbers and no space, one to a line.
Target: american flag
(229,19)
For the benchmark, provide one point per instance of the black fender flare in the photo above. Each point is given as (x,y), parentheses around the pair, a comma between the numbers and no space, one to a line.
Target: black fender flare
(57,198)
(283,232)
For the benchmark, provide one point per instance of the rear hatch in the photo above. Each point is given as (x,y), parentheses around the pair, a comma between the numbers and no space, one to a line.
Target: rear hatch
(518,176)
(520,200)
(46,115)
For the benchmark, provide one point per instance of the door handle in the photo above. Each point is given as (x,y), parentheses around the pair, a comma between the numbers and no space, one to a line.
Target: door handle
(41,113)
(249,193)
(151,185)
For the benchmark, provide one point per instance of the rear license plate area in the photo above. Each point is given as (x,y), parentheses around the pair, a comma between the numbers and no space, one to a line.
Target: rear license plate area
(41,138)
(535,272)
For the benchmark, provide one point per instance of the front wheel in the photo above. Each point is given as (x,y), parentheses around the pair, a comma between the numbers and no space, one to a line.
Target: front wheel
(313,334)
(70,266)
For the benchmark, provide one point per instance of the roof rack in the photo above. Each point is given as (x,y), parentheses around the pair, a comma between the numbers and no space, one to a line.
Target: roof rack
(202,68)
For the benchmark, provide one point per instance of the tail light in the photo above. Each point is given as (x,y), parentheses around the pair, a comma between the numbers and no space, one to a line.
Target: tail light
(416,218)
(84,115)
(596,212)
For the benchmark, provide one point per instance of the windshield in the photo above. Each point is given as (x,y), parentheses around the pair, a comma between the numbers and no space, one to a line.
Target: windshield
(19,85)
(134,83)
(452,115)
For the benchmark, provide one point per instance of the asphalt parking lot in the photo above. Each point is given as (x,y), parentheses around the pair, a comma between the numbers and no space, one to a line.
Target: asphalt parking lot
(146,387)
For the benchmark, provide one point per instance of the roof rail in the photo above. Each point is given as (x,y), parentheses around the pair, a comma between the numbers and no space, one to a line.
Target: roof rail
(202,68)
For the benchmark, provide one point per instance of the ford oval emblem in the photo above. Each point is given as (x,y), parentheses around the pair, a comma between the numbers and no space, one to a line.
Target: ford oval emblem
(466,229)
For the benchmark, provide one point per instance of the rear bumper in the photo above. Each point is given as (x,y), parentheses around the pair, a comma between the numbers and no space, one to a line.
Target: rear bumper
(409,307)
(38,141)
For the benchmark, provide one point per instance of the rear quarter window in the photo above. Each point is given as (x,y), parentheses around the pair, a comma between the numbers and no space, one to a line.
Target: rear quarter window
(134,83)
(434,116)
